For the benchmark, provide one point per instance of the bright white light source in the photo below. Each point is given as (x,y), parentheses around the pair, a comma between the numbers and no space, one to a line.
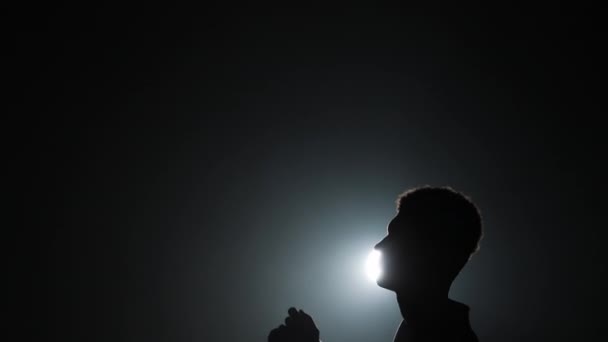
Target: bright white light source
(372,265)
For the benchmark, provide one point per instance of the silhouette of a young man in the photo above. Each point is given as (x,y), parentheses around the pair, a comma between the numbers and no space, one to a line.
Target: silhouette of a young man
(434,234)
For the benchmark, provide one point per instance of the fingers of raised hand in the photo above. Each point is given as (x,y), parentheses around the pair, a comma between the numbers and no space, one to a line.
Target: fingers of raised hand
(305,317)
(298,326)
(279,334)
(302,322)
(292,311)
(297,319)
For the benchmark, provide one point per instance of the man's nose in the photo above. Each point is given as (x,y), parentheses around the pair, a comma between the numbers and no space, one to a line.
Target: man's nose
(381,244)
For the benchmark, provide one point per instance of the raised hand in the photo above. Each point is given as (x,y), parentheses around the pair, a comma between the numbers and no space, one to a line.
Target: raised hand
(298,327)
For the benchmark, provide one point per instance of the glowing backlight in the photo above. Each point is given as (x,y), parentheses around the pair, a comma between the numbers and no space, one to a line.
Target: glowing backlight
(372,265)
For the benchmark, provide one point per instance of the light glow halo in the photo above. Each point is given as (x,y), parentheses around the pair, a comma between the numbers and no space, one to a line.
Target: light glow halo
(373,268)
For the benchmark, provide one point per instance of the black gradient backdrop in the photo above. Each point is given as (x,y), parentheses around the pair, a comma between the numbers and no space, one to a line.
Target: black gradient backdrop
(195,172)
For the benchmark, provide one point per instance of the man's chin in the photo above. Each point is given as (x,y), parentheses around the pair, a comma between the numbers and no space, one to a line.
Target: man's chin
(385,284)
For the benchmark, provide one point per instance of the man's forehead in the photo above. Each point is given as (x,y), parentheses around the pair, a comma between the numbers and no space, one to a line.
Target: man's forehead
(403,224)
(397,223)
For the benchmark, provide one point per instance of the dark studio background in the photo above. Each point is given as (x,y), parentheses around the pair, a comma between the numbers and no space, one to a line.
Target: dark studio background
(192,173)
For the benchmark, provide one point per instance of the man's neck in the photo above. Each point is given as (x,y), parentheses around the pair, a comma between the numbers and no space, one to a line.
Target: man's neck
(426,308)
(441,319)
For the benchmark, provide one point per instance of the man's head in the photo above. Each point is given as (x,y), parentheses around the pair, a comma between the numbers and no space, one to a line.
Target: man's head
(434,234)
